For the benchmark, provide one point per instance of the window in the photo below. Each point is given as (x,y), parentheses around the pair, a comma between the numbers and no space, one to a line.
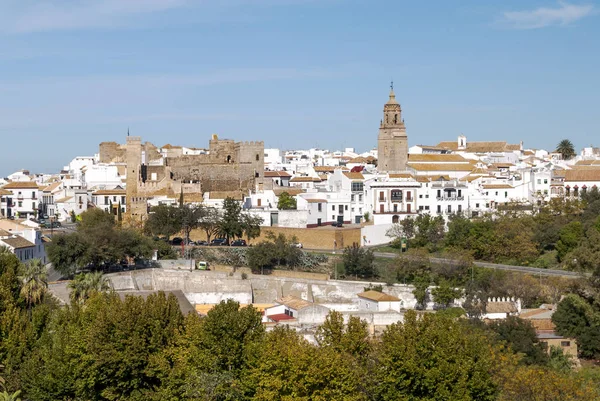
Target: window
(106,200)
(332,217)
(546,191)
(477,205)
(459,193)
(539,181)
(114,198)
(357,187)
(346,207)
(487,205)
(420,196)
(20,204)
(352,210)
(439,208)
(426,207)
(320,207)
(396,195)
(33,205)
(545,180)
(257,157)
(427,196)
(496,193)
(449,208)
(565,343)
(122,199)
(333,207)
(420,207)
(381,196)
(360,198)
(439,193)
(459,208)
(506,194)
(352,198)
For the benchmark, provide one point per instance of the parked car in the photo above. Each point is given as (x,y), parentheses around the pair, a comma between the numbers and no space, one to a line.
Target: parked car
(202,265)
(337,224)
(297,245)
(239,242)
(177,241)
(201,243)
(219,242)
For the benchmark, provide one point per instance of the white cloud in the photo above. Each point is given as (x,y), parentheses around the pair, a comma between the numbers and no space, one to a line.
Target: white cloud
(563,14)
(20,16)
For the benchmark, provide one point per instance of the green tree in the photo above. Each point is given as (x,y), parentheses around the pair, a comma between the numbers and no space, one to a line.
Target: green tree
(445,294)
(421,284)
(67,252)
(276,251)
(251,225)
(520,335)
(352,338)
(288,368)
(209,222)
(569,237)
(164,220)
(120,214)
(230,225)
(35,283)
(286,202)
(358,261)
(574,317)
(436,358)
(225,335)
(566,149)
(191,215)
(83,286)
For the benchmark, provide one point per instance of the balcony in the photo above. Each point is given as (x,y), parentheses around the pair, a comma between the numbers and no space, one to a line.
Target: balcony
(450,198)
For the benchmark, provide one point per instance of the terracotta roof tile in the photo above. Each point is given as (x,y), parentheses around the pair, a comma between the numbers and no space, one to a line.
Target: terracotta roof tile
(21,185)
(583,174)
(378,296)
(429,158)
(442,166)
(354,176)
(481,147)
(294,302)
(17,242)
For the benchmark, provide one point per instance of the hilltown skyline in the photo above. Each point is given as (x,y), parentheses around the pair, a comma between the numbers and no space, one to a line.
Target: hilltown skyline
(179,71)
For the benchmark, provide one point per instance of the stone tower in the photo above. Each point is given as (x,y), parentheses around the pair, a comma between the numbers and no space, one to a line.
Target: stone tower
(134,163)
(392,142)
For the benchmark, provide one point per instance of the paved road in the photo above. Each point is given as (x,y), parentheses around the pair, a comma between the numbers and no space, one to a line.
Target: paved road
(521,269)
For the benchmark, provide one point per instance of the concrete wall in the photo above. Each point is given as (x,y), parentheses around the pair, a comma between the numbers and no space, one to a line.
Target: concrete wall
(375,234)
(293,218)
(310,238)
(212,287)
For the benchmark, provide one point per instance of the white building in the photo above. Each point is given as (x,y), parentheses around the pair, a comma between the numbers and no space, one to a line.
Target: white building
(391,198)
(20,199)
(375,301)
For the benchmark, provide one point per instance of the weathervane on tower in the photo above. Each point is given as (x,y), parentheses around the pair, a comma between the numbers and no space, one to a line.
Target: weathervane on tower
(392,85)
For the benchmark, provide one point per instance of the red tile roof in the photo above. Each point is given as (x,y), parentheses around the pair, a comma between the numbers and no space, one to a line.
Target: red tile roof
(280,316)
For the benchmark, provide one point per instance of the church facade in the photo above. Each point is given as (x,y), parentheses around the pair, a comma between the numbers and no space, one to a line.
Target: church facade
(392,142)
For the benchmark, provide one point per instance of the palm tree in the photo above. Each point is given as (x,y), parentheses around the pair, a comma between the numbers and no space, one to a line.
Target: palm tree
(84,285)
(5,396)
(566,149)
(35,282)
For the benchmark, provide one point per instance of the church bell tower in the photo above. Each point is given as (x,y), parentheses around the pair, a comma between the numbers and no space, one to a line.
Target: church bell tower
(392,142)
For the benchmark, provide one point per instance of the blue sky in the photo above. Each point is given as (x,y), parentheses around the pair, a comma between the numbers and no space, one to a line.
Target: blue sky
(294,73)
